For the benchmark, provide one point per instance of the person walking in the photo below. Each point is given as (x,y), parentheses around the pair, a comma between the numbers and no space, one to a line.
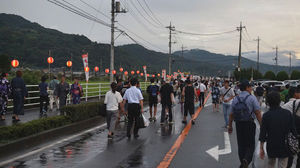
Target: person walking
(276,124)
(135,107)
(112,100)
(19,92)
(245,108)
(76,92)
(227,94)
(189,93)
(62,91)
(5,92)
(259,92)
(202,88)
(293,105)
(44,99)
(166,93)
(153,91)
(215,92)
(52,87)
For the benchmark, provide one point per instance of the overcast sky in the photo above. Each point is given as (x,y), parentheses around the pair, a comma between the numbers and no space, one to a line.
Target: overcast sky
(277,22)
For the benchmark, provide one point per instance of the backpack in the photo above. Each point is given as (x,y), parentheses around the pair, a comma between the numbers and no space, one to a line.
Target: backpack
(240,111)
(152,90)
(259,91)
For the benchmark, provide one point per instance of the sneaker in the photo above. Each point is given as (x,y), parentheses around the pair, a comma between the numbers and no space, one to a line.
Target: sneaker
(184,121)
(150,119)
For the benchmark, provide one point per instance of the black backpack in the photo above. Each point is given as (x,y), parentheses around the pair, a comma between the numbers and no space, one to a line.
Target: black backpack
(241,112)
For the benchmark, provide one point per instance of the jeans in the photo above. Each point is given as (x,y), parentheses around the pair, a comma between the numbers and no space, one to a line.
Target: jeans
(282,162)
(245,132)
(163,113)
(133,114)
(111,118)
(226,111)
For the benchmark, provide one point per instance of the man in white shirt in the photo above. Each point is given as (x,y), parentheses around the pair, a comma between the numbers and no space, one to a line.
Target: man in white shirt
(202,88)
(135,106)
(227,94)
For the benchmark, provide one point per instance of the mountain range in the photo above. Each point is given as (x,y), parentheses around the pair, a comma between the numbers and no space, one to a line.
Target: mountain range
(30,43)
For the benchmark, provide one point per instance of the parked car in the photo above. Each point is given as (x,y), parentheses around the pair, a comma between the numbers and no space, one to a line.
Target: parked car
(293,83)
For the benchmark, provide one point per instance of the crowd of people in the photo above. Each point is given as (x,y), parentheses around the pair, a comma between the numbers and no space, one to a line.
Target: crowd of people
(54,92)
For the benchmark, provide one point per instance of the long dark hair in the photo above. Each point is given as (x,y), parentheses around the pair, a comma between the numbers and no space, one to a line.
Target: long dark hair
(113,86)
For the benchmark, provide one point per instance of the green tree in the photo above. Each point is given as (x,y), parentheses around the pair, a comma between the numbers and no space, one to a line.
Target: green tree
(247,74)
(295,75)
(270,75)
(282,75)
(4,63)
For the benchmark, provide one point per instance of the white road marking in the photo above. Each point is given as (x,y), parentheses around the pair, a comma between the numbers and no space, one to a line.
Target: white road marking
(50,145)
(215,152)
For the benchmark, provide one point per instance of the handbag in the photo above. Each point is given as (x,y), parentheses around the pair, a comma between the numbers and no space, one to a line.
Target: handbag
(140,122)
(291,139)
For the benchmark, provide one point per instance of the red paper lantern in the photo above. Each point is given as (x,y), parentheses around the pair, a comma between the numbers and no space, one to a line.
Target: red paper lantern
(50,60)
(153,76)
(142,74)
(106,71)
(69,63)
(96,69)
(148,75)
(132,72)
(86,69)
(158,75)
(121,69)
(14,63)
(125,73)
(114,72)
(144,66)
(138,72)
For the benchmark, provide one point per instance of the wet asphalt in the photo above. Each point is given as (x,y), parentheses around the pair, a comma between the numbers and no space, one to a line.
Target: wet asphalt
(93,149)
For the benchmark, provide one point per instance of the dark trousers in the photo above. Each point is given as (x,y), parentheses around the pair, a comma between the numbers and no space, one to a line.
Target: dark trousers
(163,112)
(189,107)
(201,98)
(133,114)
(44,102)
(245,132)
(291,159)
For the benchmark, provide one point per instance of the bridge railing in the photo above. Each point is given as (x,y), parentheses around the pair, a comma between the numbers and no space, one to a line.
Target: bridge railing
(91,91)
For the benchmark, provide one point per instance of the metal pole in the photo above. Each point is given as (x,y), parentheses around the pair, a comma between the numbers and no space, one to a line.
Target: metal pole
(240,47)
(112,54)
(99,91)
(86,90)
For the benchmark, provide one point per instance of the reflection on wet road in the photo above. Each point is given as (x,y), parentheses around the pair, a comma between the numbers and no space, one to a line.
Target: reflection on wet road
(86,147)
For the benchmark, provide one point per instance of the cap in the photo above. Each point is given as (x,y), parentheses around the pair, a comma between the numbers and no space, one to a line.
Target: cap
(245,83)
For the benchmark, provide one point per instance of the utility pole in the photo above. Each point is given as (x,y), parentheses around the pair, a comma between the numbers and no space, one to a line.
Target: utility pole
(171,28)
(240,29)
(115,8)
(182,48)
(257,63)
(276,58)
(72,67)
(290,62)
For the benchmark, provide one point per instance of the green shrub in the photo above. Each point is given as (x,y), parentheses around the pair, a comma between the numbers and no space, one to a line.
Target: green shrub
(83,111)
(8,133)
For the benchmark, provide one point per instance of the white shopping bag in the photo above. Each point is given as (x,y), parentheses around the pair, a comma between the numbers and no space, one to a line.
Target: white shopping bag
(146,121)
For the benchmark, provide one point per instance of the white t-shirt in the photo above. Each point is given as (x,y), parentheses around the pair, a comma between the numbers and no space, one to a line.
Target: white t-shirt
(133,95)
(202,87)
(289,105)
(112,100)
(229,94)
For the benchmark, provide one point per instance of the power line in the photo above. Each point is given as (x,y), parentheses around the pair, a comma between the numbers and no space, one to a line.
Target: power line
(95,9)
(153,13)
(205,34)
(148,13)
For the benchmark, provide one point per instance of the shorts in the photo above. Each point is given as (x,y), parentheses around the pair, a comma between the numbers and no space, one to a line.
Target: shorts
(189,107)
(215,100)
(153,101)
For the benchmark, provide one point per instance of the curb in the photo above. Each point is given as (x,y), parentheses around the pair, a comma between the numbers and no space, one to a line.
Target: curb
(32,141)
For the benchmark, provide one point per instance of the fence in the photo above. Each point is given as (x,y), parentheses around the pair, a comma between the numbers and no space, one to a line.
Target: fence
(91,90)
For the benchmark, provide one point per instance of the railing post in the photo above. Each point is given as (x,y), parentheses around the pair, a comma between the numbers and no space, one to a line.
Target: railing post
(86,91)
(99,91)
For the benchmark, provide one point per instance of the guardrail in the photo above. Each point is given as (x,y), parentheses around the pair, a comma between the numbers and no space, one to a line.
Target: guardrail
(91,90)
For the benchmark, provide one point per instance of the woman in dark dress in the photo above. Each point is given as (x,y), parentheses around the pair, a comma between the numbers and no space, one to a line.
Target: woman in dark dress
(19,92)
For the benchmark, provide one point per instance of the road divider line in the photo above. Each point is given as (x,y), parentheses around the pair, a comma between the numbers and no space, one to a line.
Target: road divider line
(172,152)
